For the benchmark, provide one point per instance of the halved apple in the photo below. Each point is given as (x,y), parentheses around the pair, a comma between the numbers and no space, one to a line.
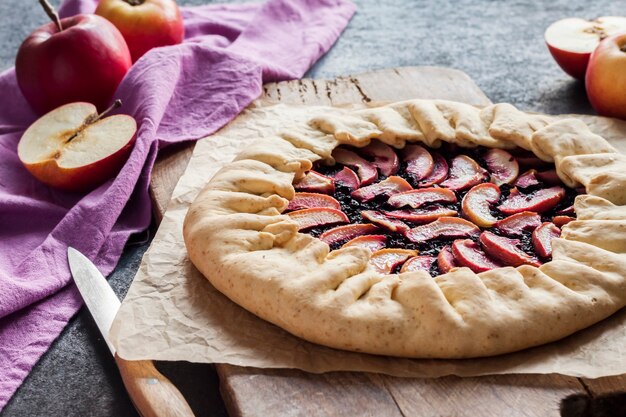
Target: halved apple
(75,149)
(571,41)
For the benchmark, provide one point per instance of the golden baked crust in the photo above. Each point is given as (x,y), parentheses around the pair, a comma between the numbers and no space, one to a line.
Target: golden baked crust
(237,237)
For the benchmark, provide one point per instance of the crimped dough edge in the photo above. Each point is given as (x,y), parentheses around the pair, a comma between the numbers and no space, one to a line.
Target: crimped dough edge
(237,237)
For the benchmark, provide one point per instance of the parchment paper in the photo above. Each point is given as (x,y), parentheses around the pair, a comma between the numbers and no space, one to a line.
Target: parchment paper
(172,312)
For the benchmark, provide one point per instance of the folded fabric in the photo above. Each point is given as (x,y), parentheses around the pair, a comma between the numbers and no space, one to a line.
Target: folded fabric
(175,93)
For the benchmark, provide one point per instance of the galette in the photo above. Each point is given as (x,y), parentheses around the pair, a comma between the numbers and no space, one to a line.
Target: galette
(423,228)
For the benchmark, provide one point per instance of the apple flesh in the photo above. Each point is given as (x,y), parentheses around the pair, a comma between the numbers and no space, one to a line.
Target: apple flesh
(145,24)
(85,61)
(606,77)
(571,41)
(67,149)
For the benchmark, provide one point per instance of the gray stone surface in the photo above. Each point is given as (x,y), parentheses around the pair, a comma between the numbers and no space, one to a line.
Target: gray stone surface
(498,43)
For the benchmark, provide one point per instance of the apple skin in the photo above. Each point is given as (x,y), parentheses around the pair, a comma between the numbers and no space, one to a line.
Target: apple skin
(84,62)
(606,77)
(146,25)
(573,63)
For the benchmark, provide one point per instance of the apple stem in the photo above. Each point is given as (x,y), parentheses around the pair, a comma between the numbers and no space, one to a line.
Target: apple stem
(94,118)
(134,2)
(52,14)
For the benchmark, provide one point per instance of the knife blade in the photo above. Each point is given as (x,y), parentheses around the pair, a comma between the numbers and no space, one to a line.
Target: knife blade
(150,391)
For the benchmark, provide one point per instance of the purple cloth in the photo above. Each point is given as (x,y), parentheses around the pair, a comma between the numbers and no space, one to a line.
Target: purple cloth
(175,93)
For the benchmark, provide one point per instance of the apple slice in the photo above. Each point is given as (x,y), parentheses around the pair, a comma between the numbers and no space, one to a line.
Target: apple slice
(477,203)
(419,162)
(386,260)
(464,173)
(560,221)
(569,210)
(502,166)
(347,232)
(571,41)
(417,198)
(347,178)
(514,225)
(506,250)
(443,227)
(367,172)
(446,260)
(467,253)
(421,215)
(75,149)
(549,177)
(315,217)
(315,182)
(312,200)
(542,239)
(527,179)
(369,242)
(379,219)
(384,157)
(438,174)
(538,201)
(387,187)
(418,263)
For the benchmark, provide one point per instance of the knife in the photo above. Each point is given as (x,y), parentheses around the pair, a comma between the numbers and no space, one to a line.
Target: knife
(151,392)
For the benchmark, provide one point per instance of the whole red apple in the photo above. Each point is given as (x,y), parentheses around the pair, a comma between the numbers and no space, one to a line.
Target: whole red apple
(85,61)
(75,149)
(606,77)
(145,24)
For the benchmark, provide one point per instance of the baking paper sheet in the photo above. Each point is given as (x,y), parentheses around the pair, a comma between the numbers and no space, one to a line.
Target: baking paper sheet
(173,313)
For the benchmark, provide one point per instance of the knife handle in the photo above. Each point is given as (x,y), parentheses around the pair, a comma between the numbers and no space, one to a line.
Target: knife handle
(150,391)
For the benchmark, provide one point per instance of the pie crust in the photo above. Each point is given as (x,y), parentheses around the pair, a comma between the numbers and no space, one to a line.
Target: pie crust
(237,237)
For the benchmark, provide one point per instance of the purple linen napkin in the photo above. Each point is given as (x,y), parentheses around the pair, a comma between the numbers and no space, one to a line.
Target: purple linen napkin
(175,93)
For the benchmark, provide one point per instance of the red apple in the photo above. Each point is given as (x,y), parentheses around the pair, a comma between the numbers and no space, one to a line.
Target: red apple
(571,41)
(75,149)
(606,77)
(145,24)
(79,58)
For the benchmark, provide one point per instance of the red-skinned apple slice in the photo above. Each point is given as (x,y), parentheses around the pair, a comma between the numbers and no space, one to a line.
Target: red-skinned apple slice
(467,253)
(386,260)
(315,217)
(549,177)
(379,219)
(560,221)
(446,261)
(502,166)
(443,227)
(347,178)
(385,158)
(316,183)
(514,225)
(527,179)
(569,210)
(539,201)
(464,173)
(369,242)
(542,239)
(367,171)
(312,200)
(75,149)
(347,232)
(421,215)
(418,263)
(387,187)
(439,172)
(419,197)
(419,162)
(506,250)
(571,41)
(477,202)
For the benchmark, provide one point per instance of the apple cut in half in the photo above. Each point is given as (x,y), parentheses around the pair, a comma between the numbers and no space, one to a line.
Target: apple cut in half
(75,149)
(571,41)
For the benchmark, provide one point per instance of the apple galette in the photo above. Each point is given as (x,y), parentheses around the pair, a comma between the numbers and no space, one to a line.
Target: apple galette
(420,229)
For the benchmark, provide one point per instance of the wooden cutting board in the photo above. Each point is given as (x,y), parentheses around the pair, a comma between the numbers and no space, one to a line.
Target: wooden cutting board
(257,392)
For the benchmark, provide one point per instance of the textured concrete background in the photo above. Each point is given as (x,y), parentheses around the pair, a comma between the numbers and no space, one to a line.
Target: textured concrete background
(498,43)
